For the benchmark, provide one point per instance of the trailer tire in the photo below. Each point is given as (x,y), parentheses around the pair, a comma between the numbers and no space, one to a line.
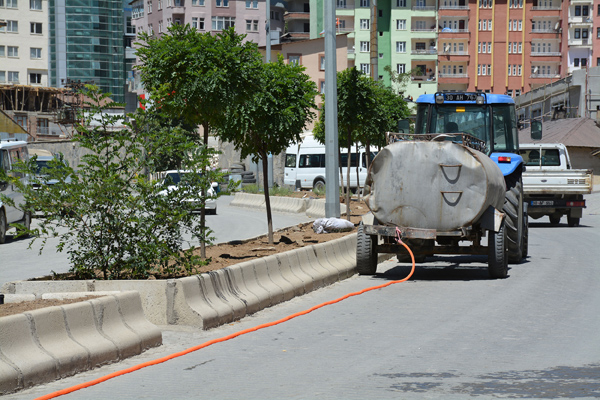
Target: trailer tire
(3,227)
(525,236)
(497,253)
(554,220)
(366,253)
(513,208)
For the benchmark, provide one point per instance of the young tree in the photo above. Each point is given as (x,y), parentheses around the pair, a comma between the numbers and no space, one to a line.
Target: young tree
(356,102)
(272,118)
(106,213)
(198,76)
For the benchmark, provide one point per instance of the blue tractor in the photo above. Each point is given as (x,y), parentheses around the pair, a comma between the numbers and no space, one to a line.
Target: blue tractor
(453,182)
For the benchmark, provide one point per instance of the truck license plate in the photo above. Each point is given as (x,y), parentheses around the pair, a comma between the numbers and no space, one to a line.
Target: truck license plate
(542,203)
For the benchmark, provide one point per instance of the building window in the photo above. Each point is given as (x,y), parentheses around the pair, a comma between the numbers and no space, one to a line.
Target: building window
(149,7)
(198,3)
(159,5)
(42,126)
(365,68)
(35,53)
(400,3)
(13,51)
(519,70)
(35,79)
(365,24)
(294,59)
(400,47)
(198,23)
(222,3)
(584,33)
(252,25)
(322,86)
(35,4)
(584,62)
(220,23)
(11,26)
(13,76)
(12,4)
(252,4)
(160,26)
(322,63)
(365,46)
(578,11)
(365,3)
(598,62)
(401,68)
(401,25)
(576,62)
(2,51)
(577,33)
(36,28)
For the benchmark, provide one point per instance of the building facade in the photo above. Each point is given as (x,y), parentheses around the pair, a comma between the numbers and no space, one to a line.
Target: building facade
(86,44)
(24,42)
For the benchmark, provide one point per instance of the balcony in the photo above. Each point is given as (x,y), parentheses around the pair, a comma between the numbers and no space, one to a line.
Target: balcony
(544,76)
(424,51)
(453,53)
(580,42)
(546,8)
(423,8)
(434,29)
(580,20)
(453,7)
(546,54)
(551,30)
(455,76)
(295,15)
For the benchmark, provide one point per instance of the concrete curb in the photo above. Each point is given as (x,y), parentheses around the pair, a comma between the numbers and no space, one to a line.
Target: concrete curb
(222,296)
(42,345)
(314,208)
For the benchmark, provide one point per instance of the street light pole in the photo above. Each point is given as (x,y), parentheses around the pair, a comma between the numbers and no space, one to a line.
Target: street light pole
(332,179)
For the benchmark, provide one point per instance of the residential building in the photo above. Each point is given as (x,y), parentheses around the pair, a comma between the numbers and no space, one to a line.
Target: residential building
(24,42)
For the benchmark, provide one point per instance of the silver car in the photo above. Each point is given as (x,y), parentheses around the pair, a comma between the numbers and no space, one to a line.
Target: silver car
(174,180)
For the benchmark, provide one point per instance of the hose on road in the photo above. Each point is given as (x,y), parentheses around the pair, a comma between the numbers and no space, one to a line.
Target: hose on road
(225,338)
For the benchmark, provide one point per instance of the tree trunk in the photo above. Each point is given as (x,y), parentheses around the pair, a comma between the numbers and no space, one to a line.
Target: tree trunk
(348,164)
(358,166)
(205,126)
(265,165)
(341,169)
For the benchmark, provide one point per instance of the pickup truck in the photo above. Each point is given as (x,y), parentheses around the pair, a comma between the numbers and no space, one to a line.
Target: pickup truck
(551,186)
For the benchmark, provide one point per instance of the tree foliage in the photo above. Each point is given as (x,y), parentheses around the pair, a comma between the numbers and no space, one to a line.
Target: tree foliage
(272,118)
(111,218)
(197,76)
(366,110)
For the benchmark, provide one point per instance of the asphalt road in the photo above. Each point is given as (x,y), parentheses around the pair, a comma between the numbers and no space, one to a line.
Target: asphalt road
(17,262)
(448,333)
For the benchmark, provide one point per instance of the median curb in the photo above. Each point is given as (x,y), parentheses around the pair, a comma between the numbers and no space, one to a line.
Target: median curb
(51,343)
(314,208)
(118,326)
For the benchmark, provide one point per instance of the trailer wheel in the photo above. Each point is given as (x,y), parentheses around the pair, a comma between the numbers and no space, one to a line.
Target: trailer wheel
(366,253)
(525,236)
(3,227)
(513,208)
(554,220)
(497,254)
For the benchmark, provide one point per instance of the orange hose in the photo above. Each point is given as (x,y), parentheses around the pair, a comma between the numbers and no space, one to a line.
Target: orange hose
(222,339)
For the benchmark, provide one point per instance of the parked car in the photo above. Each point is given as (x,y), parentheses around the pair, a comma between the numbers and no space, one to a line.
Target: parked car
(43,159)
(176,180)
(10,153)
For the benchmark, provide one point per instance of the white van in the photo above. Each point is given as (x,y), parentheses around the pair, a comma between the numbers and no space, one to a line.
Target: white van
(305,165)
(10,153)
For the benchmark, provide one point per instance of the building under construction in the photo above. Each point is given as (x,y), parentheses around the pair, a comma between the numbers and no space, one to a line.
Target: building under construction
(44,113)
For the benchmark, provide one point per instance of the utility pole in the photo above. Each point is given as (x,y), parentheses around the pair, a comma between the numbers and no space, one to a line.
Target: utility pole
(268,29)
(374,51)
(332,179)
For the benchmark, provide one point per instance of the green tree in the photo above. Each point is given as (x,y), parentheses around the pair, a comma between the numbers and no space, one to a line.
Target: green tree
(107,215)
(356,102)
(272,118)
(198,76)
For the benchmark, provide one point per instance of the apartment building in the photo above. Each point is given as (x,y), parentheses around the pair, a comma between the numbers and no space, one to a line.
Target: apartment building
(246,16)
(24,42)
